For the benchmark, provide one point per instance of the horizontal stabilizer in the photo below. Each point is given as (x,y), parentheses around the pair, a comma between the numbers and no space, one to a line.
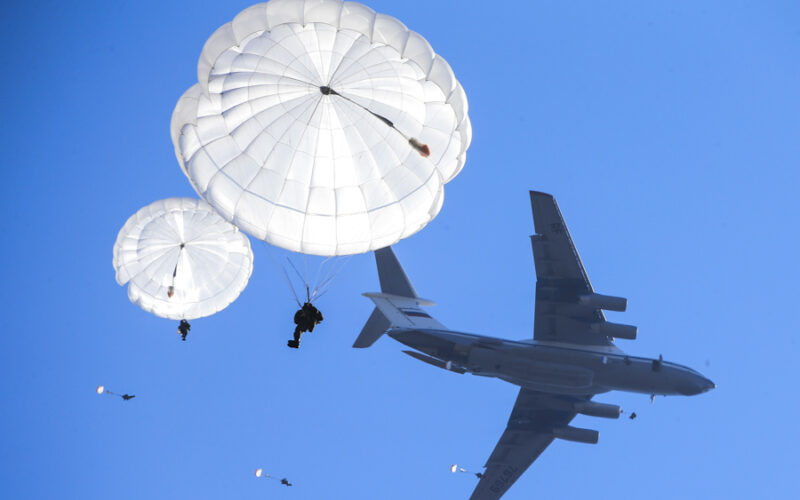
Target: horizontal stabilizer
(435,362)
(397,305)
(405,312)
(373,329)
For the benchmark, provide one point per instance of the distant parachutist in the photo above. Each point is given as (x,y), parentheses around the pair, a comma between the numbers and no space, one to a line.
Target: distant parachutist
(306,318)
(102,390)
(260,473)
(456,469)
(633,416)
(183,329)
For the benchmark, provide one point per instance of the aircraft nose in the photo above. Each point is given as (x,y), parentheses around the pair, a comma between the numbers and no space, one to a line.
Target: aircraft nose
(706,385)
(695,384)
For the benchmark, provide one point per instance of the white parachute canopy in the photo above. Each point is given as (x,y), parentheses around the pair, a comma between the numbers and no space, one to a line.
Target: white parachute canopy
(322,127)
(181,260)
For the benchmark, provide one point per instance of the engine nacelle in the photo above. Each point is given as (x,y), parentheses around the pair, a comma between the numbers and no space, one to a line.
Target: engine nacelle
(576,434)
(594,409)
(616,330)
(607,302)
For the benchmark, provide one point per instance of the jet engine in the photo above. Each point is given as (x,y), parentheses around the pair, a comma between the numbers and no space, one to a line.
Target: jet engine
(616,330)
(595,409)
(606,302)
(576,434)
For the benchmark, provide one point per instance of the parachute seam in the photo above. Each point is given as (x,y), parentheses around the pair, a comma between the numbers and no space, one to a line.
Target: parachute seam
(345,53)
(138,290)
(398,163)
(313,168)
(262,167)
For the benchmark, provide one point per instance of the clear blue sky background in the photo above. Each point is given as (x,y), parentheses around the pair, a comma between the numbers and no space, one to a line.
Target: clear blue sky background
(668,132)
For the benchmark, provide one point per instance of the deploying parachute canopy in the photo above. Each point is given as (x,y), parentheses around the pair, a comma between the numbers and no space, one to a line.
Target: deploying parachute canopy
(322,127)
(102,390)
(455,468)
(260,473)
(181,260)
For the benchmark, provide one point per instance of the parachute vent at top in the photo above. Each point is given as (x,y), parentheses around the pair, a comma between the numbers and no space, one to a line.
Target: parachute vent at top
(322,126)
(181,260)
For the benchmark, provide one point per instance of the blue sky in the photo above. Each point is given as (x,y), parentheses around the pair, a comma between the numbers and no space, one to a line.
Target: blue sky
(666,130)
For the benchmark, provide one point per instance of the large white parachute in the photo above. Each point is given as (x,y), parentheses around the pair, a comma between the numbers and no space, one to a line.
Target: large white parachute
(181,260)
(322,127)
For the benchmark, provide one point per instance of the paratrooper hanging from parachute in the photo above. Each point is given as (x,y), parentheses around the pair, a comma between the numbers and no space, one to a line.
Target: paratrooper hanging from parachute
(181,260)
(323,128)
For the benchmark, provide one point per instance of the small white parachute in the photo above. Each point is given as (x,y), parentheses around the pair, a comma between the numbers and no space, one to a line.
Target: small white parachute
(100,389)
(260,474)
(181,260)
(322,127)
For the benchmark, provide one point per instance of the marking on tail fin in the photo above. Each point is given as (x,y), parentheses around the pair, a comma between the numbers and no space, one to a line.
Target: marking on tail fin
(414,312)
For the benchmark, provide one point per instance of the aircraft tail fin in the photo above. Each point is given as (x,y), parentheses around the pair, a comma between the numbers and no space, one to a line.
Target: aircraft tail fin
(397,305)
(391,274)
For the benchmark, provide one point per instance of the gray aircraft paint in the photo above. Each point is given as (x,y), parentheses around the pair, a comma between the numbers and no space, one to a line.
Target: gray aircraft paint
(571,358)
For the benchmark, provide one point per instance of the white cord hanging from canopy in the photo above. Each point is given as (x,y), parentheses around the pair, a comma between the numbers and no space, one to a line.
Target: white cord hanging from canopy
(322,127)
(181,260)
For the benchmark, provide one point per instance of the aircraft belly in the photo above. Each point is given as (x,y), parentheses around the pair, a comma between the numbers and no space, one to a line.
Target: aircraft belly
(542,376)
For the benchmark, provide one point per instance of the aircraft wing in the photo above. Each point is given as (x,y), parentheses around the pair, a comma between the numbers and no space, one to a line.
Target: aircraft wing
(528,433)
(560,281)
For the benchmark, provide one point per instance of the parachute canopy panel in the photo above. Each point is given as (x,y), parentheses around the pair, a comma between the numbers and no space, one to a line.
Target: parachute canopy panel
(322,127)
(181,260)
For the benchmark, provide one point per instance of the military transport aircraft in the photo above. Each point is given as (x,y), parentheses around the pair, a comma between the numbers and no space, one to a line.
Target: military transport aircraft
(571,358)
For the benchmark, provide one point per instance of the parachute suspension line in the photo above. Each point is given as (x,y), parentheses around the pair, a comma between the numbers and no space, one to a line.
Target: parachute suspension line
(171,288)
(305,275)
(327,270)
(299,276)
(324,286)
(282,269)
(317,280)
(419,147)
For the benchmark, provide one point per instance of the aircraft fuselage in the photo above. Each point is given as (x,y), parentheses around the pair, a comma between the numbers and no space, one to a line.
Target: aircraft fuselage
(551,367)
